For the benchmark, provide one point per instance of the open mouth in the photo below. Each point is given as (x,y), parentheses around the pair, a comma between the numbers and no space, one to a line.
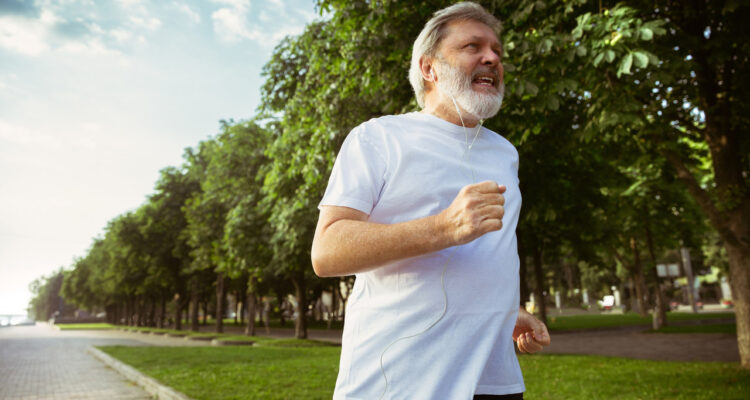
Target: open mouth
(485,80)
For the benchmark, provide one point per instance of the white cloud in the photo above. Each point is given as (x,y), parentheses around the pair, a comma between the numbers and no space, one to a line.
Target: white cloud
(231,23)
(149,23)
(26,36)
(185,9)
(121,35)
(131,3)
(21,135)
(287,31)
(273,23)
(92,46)
(238,4)
(41,35)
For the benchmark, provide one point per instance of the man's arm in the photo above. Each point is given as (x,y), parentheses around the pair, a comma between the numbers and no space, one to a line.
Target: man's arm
(346,243)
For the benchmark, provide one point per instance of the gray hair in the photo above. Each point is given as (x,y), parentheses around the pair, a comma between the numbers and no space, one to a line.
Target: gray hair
(434,31)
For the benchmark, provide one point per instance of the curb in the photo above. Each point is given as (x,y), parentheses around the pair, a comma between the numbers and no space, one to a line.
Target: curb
(153,387)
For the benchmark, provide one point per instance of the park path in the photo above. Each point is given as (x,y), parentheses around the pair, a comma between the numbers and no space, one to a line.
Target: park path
(635,342)
(42,363)
(630,342)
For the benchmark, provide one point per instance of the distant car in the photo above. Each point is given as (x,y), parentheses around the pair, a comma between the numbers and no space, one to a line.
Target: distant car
(673,305)
(608,302)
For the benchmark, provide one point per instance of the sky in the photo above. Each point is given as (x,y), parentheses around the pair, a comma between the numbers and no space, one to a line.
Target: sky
(97,96)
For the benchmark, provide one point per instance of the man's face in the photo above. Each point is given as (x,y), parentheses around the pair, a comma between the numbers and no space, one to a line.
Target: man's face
(469,68)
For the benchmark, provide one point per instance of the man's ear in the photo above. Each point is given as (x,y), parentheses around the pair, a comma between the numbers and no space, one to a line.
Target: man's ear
(426,67)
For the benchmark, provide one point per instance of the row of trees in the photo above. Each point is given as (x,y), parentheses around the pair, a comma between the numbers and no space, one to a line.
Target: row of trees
(629,118)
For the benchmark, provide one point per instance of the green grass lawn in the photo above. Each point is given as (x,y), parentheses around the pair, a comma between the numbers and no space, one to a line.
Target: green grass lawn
(596,377)
(278,372)
(223,373)
(598,321)
(275,323)
(93,326)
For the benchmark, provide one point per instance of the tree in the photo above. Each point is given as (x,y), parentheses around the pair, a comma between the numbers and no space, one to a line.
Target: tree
(46,302)
(680,87)
(168,250)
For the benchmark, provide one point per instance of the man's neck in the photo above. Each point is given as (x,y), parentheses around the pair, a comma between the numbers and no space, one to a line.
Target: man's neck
(448,113)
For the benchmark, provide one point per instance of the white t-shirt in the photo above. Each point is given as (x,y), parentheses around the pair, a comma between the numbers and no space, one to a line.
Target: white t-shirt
(400,168)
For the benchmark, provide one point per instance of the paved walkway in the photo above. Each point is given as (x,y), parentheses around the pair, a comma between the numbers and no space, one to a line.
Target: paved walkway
(635,343)
(42,363)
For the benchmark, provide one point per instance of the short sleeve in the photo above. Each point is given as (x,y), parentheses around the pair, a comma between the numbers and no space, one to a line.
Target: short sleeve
(358,173)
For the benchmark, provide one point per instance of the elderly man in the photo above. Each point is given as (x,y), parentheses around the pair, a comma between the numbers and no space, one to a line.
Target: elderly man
(423,208)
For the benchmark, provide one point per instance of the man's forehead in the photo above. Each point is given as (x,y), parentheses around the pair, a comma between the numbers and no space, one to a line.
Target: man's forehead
(469,30)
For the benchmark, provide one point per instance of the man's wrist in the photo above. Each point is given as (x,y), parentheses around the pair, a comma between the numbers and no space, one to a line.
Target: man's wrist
(440,236)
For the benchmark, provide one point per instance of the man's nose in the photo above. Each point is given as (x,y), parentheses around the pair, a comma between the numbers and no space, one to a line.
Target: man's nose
(490,58)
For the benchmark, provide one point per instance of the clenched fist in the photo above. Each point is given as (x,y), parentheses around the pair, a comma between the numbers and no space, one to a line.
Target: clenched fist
(476,210)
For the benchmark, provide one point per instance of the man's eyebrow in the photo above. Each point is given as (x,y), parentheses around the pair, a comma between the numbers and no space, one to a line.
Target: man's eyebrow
(475,38)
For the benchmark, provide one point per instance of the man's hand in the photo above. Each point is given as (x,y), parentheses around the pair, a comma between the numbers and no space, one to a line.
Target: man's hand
(476,210)
(530,334)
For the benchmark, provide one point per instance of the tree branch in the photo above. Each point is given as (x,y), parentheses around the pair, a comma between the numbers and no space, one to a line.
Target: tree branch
(718,220)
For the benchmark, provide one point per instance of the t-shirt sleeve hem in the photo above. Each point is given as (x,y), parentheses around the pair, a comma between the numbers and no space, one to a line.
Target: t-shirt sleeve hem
(357,204)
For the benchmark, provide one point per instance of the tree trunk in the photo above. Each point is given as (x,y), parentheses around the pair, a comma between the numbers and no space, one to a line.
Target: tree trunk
(259,310)
(236,306)
(205,313)
(220,292)
(638,279)
(141,310)
(152,313)
(162,309)
(280,300)
(195,301)
(660,314)
(250,301)
(179,301)
(739,272)
(522,272)
(539,290)
(300,325)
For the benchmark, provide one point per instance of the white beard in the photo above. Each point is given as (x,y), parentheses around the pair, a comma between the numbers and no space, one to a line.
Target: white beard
(457,85)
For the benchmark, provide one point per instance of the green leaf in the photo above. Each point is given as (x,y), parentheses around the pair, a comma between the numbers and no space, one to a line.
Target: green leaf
(647,34)
(632,188)
(640,58)
(609,55)
(652,59)
(570,55)
(531,88)
(553,103)
(598,59)
(625,65)
(581,51)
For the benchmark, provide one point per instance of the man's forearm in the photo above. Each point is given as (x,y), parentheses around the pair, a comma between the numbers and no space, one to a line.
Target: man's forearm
(349,246)
(346,242)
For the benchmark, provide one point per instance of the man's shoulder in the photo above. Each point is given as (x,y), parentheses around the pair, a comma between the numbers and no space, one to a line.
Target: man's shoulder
(382,127)
(386,120)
